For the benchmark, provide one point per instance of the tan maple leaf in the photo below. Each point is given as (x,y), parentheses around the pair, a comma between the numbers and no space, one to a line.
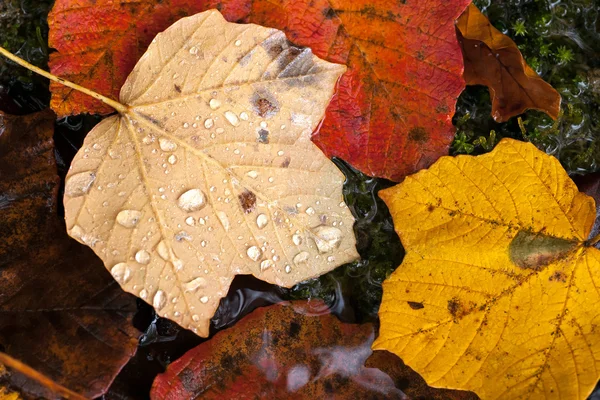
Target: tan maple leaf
(209,172)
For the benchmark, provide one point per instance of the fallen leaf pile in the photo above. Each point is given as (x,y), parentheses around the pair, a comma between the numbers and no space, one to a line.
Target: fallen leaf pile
(498,290)
(494,60)
(62,313)
(393,110)
(209,172)
(287,351)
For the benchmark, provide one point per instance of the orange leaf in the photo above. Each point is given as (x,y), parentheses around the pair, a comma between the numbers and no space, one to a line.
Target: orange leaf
(493,59)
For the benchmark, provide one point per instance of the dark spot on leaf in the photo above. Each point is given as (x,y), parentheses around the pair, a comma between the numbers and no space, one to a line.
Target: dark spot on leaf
(294,329)
(430,208)
(454,306)
(264,107)
(286,162)
(415,305)
(177,88)
(558,276)
(248,201)
(263,136)
(418,134)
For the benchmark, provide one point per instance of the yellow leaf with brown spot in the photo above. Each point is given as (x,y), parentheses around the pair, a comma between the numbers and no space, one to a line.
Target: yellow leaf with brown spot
(498,291)
(209,171)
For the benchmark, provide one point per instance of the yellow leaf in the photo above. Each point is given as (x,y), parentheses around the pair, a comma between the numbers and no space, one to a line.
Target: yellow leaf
(209,171)
(498,290)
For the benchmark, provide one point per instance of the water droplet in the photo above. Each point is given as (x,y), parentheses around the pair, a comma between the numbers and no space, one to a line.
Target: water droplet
(214,104)
(195,284)
(266,264)
(288,269)
(166,144)
(232,118)
(263,124)
(192,200)
(186,125)
(301,257)
(178,264)
(190,221)
(254,253)
(160,299)
(121,272)
(224,220)
(204,299)
(244,116)
(238,43)
(142,257)
(330,259)
(252,174)
(219,130)
(193,50)
(327,238)
(208,123)
(129,218)
(163,250)
(297,239)
(172,159)
(195,318)
(271,179)
(143,293)
(261,221)
(280,153)
(310,211)
(79,184)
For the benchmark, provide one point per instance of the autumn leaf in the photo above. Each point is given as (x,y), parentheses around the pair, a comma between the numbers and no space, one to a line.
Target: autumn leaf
(98,42)
(494,60)
(289,351)
(61,312)
(209,171)
(392,114)
(496,291)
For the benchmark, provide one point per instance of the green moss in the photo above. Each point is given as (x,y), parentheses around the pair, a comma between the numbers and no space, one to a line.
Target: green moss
(560,41)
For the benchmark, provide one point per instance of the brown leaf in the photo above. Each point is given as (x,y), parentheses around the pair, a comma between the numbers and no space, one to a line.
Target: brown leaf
(290,350)
(60,311)
(209,172)
(493,59)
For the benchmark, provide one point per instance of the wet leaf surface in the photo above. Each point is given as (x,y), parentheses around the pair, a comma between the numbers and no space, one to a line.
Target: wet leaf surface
(496,291)
(392,114)
(494,60)
(209,171)
(60,311)
(294,350)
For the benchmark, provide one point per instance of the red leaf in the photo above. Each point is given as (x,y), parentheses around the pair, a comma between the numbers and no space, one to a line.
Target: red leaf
(60,310)
(287,351)
(392,115)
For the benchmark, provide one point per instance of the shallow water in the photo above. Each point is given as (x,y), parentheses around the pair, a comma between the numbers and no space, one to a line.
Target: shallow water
(353,291)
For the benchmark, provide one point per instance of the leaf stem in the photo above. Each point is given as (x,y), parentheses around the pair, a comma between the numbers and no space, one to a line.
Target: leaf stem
(593,241)
(114,104)
(31,373)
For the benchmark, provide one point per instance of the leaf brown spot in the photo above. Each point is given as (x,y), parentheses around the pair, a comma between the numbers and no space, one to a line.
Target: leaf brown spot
(264,107)
(247,201)
(415,305)
(535,250)
(418,134)
(177,88)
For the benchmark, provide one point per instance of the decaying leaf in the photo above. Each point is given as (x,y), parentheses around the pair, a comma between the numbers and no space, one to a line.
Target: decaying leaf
(209,170)
(494,60)
(498,290)
(288,351)
(60,311)
(393,111)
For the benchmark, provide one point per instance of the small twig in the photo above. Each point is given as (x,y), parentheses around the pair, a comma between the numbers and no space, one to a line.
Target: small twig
(38,377)
(114,104)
